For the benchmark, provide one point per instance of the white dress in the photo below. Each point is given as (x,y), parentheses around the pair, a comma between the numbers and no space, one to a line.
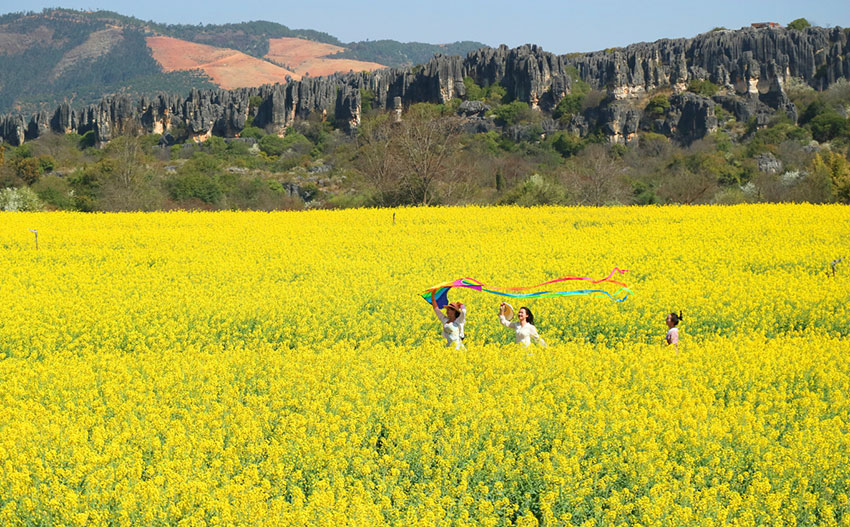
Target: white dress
(524,334)
(453,331)
(673,336)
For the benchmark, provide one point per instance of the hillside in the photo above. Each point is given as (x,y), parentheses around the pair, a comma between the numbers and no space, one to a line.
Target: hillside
(228,68)
(314,58)
(62,55)
(729,116)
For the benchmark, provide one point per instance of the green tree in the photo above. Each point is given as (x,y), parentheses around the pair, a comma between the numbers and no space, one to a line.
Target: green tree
(837,168)
(658,106)
(799,24)
(511,113)
(828,126)
(567,144)
(28,169)
(473,91)
(272,145)
(54,191)
(252,132)
(568,106)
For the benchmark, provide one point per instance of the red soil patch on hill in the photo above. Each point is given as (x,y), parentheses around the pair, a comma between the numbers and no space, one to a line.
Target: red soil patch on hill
(305,56)
(227,67)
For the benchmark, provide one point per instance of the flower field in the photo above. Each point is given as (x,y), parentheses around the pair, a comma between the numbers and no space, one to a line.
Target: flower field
(280,369)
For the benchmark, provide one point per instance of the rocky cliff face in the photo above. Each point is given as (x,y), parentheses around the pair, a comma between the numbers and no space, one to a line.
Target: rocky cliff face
(746,60)
(750,65)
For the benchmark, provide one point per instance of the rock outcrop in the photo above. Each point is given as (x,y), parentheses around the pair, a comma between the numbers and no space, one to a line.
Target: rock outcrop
(747,60)
(749,65)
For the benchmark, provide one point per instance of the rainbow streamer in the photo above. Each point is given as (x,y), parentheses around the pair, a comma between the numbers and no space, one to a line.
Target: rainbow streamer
(441,291)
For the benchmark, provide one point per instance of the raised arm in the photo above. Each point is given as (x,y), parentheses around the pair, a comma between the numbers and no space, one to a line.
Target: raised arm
(461,318)
(440,316)
(502,318)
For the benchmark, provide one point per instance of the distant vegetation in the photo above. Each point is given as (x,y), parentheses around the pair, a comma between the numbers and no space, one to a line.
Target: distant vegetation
(428,158)
(393,53)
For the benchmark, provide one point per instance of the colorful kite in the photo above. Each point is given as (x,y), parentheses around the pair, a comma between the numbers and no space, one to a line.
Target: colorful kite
(441,291)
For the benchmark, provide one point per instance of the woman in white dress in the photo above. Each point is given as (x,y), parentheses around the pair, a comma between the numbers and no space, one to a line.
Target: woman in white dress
(525,330)
(453,322)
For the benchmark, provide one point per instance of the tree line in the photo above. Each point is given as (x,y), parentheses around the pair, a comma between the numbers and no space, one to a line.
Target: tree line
(427,156)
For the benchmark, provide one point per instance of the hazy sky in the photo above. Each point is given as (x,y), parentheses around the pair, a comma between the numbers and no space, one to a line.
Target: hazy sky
(558,26)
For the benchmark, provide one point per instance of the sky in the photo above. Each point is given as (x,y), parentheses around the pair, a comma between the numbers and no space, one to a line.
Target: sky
(558,26)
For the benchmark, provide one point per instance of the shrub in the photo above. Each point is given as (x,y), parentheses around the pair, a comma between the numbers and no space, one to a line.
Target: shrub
(55,191)
(535,191)
(567,144)
(272,145)
(195,185)
(658,106)
(473,91)
(252,132)
(706,88)
(827,126)
(512,113)
(19,199)
(568,106)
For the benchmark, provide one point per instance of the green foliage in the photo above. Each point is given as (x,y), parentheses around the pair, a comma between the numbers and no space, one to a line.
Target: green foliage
(195,186)
(367,99)
(495,94)
(658,106)
(837,168)
(568,106)
(215,146)
(238,149)
(566,143)
(473,91)
(799,24)
(815,108)
(535,191)
(272,145)
(511,113)
(199,178)
(54,191)
(572,103)
(492,94)
(88,139)
(828,126)
(254,102)
(252,132)
(85,183)
(706,88)
(768,139)
(275,146)
(28,169)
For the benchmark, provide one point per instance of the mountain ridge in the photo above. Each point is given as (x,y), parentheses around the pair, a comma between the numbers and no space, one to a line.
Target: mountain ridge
(746,71)
(54,40)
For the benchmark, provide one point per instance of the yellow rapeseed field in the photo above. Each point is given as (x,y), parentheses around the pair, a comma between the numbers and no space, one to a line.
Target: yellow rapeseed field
(280,369)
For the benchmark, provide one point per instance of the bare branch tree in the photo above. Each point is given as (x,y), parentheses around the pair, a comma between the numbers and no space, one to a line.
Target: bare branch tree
(427,147)
(596,178)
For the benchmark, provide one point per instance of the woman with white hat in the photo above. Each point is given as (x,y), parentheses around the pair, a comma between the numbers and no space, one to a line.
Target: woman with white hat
(525,330)
(453,322)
